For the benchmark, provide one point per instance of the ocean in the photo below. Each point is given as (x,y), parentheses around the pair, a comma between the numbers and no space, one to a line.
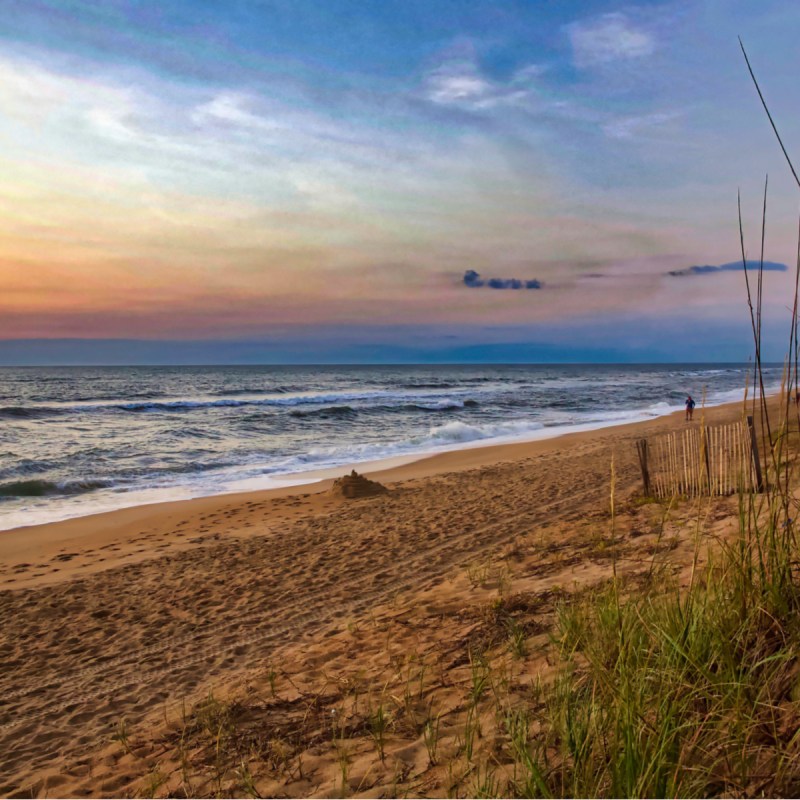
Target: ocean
(76,441)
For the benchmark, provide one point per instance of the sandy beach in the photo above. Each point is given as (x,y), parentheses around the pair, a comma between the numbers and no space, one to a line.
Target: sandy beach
(287,604)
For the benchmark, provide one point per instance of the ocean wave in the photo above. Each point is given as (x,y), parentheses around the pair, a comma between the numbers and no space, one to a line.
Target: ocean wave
(345,411)
(108,398)
(256,390)
(439,405)
(659,409)
(29,412)
(737,395)
(438,436)
(348,412)
(326,412)
(338,399)
(40,488)
(179,433)
(377,397)
(442,385)
(458,432)
(25,466)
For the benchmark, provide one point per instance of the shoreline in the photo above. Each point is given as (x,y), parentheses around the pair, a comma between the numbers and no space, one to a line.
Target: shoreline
(41,541)
(385,468)
(283,482)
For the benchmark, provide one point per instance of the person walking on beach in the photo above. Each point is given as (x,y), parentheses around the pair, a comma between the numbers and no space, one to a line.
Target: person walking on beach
(690,404)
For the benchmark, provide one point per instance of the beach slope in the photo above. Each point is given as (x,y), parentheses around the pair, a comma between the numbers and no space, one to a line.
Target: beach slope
(286,603)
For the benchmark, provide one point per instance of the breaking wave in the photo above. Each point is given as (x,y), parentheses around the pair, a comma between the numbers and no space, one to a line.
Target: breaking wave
(40,488)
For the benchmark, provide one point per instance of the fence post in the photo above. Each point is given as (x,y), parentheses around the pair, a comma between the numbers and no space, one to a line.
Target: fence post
(641,447)
(706,462)
(756,458)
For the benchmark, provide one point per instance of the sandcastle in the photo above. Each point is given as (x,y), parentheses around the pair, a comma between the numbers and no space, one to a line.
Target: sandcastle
(355,485)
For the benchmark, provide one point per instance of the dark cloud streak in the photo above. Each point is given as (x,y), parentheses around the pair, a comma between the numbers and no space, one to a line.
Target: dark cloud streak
(474,281)
(733,266)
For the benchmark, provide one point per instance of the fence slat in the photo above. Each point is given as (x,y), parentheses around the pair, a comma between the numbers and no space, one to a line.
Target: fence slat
(712,451)
(731,461)
(685,466)
(698,480)
(658,469)
(728,449)
(670,472)
(712,462)
(676,480)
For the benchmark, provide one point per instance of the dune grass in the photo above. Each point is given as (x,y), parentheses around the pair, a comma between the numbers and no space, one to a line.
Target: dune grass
(692,693)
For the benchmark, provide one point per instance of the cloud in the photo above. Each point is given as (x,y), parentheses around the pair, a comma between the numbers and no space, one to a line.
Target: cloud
(474,281)
(231,108)
(155,136)
(633,127)
(458,82)
(458,85)
(733,266)
(608,38)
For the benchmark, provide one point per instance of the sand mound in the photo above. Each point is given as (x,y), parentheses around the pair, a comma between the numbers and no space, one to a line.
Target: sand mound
(355,485)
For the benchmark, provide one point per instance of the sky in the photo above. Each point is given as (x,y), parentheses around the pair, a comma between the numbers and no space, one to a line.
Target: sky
(418,180)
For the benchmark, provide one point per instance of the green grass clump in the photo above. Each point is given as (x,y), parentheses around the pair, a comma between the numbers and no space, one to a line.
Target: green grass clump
(679,694)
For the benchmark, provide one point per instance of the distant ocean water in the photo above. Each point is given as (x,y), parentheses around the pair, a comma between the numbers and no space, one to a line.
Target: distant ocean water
(76,441)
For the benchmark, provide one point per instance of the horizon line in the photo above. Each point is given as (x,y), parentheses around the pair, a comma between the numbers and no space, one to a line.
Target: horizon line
(397,364)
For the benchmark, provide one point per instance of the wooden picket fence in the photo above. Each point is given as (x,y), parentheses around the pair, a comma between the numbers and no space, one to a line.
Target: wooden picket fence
(717,460)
